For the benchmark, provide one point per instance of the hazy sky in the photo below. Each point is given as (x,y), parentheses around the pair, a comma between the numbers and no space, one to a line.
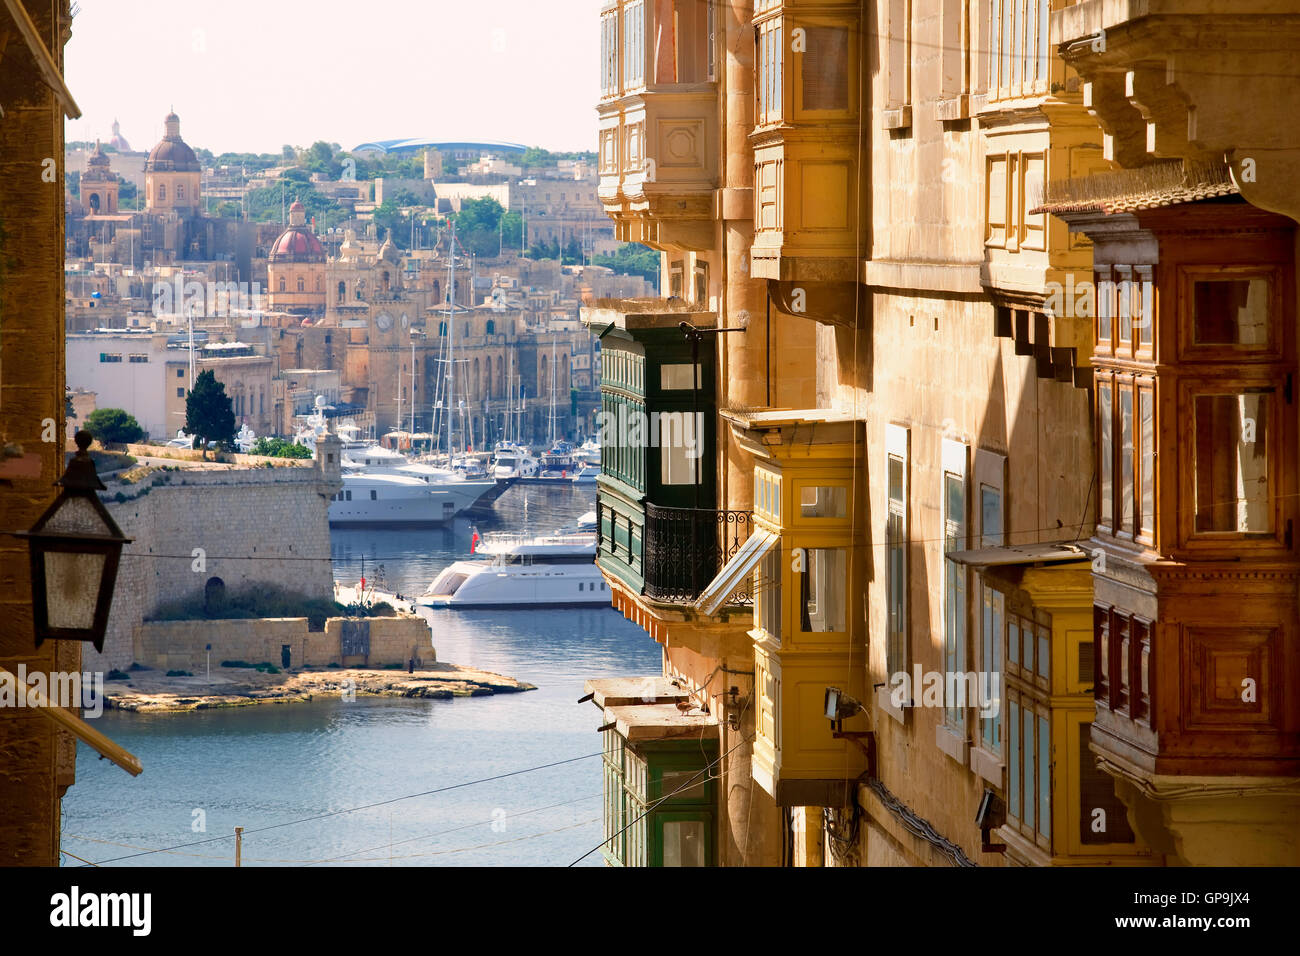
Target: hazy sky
(253,75)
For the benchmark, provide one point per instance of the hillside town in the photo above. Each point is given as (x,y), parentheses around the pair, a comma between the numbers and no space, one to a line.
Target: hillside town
(284,311)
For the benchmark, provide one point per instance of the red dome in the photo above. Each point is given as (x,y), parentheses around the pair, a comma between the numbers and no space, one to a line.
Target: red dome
(297,244)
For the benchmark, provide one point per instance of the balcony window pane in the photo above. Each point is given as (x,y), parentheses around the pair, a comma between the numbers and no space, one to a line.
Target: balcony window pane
(825,69)
(1232,472)
(1232,312)
(634,44)
(1097,792)
(683,785)
(990,517)
(1013,761)
(824,583)
(990,681)
(1044,779)
(895,479)
(1126,300)
(608,53)
(1044,35)
(1146,414)
(1007,34)
(1030,755)
(1031,43)
(673,377)
(679,452)
(954,585)
(682,38)
(1013,641)
(1106,450)
(768,594)
(896,648)
(1126,459)
(995,48)
(711,29)
(683,843)
(1044,650)
(823,502)
(1105,309)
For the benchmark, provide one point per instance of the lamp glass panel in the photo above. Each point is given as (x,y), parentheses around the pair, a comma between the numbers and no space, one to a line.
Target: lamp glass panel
(72,588)
(77,516)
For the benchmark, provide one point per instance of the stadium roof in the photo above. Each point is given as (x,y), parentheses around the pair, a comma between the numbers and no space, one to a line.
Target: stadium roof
(398,145)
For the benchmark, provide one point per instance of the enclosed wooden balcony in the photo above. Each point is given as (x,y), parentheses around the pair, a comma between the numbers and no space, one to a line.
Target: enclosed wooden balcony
(807,202)
(659,122)
(1160,91)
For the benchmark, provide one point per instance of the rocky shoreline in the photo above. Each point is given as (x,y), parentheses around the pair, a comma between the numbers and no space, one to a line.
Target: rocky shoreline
(148,692)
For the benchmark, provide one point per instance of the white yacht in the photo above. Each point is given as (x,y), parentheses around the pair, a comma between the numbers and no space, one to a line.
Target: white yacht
(390,499)
(513,461)
(523,571)
(586,474)
(463,487)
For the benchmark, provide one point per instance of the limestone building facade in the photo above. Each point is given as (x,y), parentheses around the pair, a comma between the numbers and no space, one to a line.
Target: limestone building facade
(941,589)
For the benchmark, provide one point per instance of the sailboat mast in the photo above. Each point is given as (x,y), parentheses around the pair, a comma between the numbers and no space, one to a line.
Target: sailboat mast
(451,337)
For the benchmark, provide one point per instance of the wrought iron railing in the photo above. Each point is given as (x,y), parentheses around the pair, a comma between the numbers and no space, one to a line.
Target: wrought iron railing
(685,548)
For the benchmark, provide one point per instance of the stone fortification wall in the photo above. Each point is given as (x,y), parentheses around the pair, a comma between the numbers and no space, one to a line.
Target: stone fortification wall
(227,530)
(182,645)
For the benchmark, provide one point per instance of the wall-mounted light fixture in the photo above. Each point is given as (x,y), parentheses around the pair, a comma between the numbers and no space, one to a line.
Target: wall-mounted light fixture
(992,813)
(75,549)
(839,707)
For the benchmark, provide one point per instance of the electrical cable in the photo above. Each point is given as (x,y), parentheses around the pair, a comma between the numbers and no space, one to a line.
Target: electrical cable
(654,806)
(369,806)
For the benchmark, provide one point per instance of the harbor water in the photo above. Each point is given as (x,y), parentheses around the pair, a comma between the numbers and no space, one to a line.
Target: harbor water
(342,783)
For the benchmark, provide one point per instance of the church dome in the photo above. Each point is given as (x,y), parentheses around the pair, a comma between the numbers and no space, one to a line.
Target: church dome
(297,243)
(172,155)
(118,142)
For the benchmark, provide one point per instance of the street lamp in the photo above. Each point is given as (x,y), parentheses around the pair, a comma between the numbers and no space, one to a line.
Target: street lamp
(75,548)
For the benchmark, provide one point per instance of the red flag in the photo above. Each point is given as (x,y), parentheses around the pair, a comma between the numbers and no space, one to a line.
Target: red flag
(473,542)
(363,584)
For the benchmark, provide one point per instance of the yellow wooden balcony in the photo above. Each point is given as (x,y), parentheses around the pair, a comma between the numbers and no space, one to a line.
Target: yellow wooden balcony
(801,563)
(807,184)
(659,121)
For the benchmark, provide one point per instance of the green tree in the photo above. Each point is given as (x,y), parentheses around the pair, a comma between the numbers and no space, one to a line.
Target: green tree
(512,230)
(209,415)
(114,425)
(279,448)
(478,226)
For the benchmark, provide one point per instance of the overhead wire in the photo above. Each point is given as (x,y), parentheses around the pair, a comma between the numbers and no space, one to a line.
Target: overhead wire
(369,806)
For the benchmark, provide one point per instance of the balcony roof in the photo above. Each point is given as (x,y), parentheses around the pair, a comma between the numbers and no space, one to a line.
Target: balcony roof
(1136,190)
(647,722)
(631,315)
(826,436)
(780,417)
(622,691)
(1052,552)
